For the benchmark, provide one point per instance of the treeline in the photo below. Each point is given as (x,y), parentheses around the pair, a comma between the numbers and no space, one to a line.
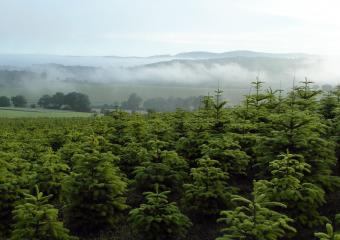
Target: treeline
(78,102)
(14,78)
(159,104)
(74,101)
(18,101)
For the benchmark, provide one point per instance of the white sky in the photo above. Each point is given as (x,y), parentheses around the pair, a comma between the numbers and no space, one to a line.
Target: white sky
(152,27)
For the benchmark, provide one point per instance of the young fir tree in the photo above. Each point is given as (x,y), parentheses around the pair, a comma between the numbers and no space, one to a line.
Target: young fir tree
(327,106)
(207,109)
(255,112)
(161,129)
(74,135)
(209,193)
(300,132)
(95,142)
(56,139)
(121,125)
(255,219)
(10,193)
(94,192)
(132,155)
(273,103)
(258,97)
(228,153)
(158,219)
(34,148)
(198,134)
(49,174)
(20,168)
(164,168)
(156,154)
(304,97)
(149,174)
(138,130)
(218,113)
(67,151)
(249,121)
(302,199)
(178,123)
(37,220)
(175,162)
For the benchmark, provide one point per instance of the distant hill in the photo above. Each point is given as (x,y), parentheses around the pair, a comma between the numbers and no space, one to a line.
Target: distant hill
(242,53)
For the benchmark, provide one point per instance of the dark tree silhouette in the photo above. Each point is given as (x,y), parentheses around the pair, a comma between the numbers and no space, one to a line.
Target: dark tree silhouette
(45,101)
(19,101)
(77,102)
(132,103)
(58,100)
(5,101)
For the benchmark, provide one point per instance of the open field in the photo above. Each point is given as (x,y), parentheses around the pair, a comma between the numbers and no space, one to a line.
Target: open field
(6,112)
(110,93)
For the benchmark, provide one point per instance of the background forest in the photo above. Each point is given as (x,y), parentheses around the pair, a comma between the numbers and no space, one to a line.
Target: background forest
(265,169)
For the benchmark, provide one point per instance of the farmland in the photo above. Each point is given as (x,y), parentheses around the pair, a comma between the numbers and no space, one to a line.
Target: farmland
(110,93)
(6,112)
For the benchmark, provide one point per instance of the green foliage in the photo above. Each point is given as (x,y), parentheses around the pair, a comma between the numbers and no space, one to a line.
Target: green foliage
(5,101)
(10,193)
(329,235)
(56,140)
(132,103)
(178,123)
(300,133)
(254,220)
(198,134)
(138,128)
(160,148)
(228,153)
(302,199)
(257,97)
(133,154)
(93,191)
(158,219)
(67,151)
(45,101)
(175,162)
(19,101)
(218,105)
(150,174)
(78,102)
(37,220)
(327,106)
(49,174)
(209,193)
(304,97)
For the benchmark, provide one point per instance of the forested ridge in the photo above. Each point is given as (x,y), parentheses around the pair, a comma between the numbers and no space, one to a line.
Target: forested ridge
(266,169)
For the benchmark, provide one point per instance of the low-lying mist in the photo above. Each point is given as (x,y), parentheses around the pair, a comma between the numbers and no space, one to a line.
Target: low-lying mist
(185,76)
(236,72)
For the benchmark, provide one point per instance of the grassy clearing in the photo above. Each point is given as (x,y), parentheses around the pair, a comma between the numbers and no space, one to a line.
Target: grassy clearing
(36,112)
(110,93)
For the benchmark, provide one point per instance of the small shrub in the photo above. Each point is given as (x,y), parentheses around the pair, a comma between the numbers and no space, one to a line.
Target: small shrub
(159,219)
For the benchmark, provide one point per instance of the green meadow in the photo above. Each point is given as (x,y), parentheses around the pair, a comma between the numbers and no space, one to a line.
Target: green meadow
(37,112)
(110,93)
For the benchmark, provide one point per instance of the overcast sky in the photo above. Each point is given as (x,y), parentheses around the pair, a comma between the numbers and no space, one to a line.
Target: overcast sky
(153,27)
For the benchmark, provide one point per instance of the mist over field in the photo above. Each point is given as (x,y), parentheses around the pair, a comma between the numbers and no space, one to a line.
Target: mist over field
(66,74)
(232,72)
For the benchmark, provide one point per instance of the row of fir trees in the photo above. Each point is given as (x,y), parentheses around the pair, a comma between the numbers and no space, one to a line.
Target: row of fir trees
(266,169)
